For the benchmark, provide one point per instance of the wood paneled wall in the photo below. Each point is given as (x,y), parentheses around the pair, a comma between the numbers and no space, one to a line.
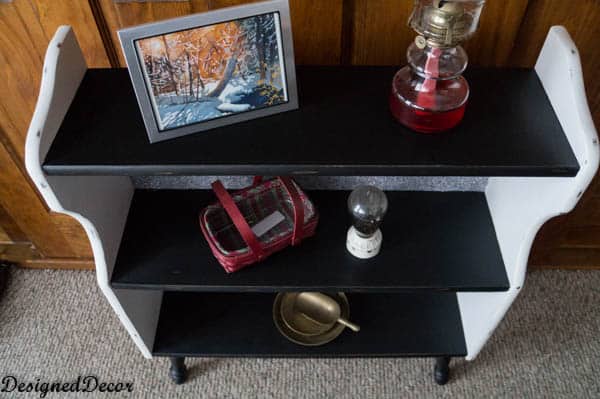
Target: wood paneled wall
(25,29)
(363,32)
(375,32)
(317,24)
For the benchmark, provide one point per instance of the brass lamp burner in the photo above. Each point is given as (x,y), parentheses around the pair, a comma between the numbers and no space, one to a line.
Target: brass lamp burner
(444,23)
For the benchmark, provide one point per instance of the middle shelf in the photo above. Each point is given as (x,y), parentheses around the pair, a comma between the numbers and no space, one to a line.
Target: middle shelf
(431,241)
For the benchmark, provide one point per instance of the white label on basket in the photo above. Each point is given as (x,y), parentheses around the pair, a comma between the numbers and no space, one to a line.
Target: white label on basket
(268,223)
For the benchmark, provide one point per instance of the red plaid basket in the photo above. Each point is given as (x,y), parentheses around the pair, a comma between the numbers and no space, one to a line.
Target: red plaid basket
(226,224)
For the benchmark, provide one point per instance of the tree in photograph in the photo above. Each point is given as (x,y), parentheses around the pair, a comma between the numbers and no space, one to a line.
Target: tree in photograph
(260,47)
(190,78)
(169,64)
(229,70)
(265,39)
(206,72)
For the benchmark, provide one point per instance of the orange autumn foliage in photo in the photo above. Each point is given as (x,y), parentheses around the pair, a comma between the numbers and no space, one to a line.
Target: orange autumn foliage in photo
(208,47)
(212,71)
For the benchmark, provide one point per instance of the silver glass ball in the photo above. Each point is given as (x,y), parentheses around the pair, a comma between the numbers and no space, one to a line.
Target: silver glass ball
(367,205)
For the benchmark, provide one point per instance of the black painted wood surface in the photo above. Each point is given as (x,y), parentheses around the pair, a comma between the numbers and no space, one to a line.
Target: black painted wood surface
(218,324)
(343,127)
(431,241)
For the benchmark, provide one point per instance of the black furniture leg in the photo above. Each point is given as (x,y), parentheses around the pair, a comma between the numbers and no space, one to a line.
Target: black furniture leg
(4,270)
(441,370)
(178,371)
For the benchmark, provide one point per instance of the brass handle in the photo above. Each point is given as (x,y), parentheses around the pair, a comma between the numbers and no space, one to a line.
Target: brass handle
(349,324)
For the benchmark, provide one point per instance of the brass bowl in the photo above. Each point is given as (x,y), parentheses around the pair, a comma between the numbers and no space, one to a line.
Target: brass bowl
(301,329)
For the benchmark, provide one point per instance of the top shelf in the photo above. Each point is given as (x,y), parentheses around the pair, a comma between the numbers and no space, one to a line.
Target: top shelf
(343,127)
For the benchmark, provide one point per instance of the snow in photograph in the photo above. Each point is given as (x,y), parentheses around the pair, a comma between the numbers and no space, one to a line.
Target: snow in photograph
(213,71)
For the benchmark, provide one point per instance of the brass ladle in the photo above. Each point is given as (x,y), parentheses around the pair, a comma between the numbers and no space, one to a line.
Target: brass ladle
(322,309)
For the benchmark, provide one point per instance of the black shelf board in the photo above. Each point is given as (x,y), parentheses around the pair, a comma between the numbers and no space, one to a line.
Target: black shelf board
(343,127)
(392,325)
(432,241)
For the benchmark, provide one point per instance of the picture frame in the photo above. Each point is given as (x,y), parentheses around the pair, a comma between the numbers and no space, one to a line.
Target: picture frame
(207,70)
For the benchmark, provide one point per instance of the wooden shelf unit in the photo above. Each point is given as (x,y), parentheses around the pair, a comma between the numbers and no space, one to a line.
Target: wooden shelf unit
(452,262)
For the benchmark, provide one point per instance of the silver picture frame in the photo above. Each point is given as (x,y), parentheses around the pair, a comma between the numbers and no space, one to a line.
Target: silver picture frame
(156,128)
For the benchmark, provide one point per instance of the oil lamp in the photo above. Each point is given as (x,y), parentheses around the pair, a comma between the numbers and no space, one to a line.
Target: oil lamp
(367,206)
(429,94)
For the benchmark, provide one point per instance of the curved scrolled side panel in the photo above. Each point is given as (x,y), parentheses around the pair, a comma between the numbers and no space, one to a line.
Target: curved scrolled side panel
(520,206)
(100,204)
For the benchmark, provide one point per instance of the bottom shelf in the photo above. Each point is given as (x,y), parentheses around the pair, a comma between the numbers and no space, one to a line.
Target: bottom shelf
(241,324)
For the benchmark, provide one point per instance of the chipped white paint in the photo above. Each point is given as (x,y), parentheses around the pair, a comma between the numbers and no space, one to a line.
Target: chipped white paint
(520,206)
(99,203)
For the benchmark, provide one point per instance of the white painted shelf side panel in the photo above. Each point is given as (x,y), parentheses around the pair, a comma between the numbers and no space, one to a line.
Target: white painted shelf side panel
(99,203)
(520,206)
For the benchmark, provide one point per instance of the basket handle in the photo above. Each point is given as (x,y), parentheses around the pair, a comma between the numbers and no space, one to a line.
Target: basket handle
(238,220)
(298,233)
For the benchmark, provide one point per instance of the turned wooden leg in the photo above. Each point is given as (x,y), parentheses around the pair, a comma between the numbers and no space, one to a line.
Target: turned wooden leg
(178,371)
(441,370)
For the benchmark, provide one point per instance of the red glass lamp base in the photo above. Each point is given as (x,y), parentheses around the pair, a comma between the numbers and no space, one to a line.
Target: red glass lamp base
(425,121)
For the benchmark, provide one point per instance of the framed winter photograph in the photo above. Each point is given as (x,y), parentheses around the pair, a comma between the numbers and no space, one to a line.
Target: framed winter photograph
(207,70)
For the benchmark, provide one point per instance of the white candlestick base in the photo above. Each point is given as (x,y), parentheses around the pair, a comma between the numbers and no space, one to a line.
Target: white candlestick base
(363,247)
